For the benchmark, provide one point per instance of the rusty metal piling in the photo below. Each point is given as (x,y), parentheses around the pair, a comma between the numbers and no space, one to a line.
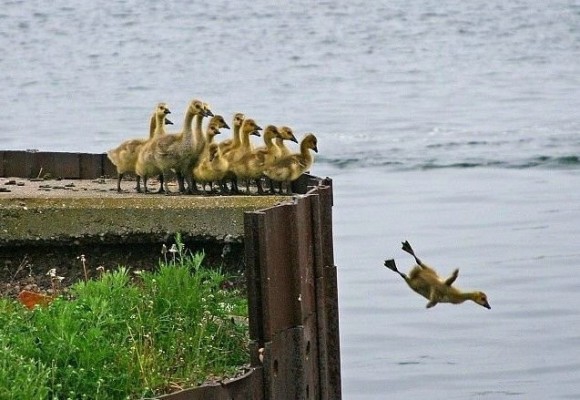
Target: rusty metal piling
(293,295)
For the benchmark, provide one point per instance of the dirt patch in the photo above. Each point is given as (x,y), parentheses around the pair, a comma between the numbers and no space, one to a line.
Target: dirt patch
(28,268)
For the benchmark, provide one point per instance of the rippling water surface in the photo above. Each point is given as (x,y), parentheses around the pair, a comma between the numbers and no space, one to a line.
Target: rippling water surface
(451,124)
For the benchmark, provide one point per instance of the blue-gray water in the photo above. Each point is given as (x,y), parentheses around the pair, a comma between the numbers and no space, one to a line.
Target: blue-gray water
(451,124)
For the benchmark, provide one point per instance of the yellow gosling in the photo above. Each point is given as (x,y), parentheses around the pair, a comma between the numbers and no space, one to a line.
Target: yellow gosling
(190,159)
(153,122)
(289,168)
(425,281)
(212,129)
(211,169)
(285,134)
(252,164)
(124,156)
(281,150)
(234,142)
(172,151)
(249,127)
(270,150)
(232,145)
(145,165)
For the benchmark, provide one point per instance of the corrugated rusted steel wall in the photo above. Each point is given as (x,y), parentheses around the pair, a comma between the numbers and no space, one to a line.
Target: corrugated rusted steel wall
(293,295)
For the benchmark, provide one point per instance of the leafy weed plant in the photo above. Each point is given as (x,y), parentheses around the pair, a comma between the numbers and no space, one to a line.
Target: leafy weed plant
(125,338)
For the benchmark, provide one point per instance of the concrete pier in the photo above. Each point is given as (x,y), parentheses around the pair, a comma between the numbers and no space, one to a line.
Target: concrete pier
(49,223)
(56,206)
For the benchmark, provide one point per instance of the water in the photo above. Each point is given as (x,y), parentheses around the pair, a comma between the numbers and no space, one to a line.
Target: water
(457,120)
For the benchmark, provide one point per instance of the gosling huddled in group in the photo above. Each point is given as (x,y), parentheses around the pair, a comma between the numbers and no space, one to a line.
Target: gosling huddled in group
(425,281)
(194,155)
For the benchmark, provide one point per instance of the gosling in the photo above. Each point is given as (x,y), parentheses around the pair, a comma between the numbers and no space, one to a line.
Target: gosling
(124,156)
(288,169)
(425,281)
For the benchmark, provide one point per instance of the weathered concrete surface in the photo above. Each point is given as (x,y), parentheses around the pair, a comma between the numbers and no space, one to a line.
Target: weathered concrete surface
(48,224)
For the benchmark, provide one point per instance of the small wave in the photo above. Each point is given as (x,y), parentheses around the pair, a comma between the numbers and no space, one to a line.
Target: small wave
(494,393)
(471,143)
(544,161)
(568,160)
(408,163)
(463,164)
(138,88)
(356,162)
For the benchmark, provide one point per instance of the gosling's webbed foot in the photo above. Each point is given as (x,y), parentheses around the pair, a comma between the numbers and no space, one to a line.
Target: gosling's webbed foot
(407,247)
(390,264)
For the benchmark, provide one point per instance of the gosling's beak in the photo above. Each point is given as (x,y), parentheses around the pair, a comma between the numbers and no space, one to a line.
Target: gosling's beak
(168,121)
(256,133)
(226,126)
(166,111)
(208,113)
(486,305)
(315,148)
(293,138)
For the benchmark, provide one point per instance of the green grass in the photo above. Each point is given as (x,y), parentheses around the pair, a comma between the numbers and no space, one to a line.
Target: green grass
(123,338)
